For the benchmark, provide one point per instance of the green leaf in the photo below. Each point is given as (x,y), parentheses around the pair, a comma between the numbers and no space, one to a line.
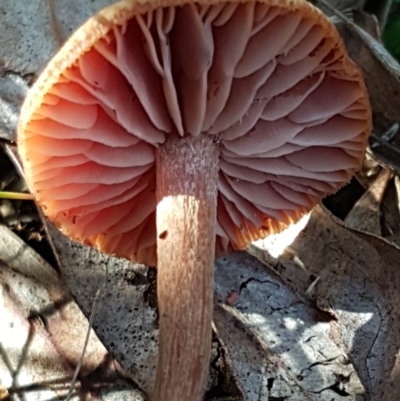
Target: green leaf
(391,35)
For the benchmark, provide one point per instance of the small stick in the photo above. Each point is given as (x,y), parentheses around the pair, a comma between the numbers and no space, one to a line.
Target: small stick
(16,195)
(80,363)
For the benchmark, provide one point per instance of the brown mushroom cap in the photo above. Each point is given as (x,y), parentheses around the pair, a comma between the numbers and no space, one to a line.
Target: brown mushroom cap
(270,80)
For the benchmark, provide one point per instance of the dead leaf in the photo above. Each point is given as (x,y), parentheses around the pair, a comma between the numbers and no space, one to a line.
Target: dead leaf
(359,275)
(13,89)
(340,5)
(29,362)
(280,346)
(126,317)
(391,212)
(365,214)
(43,320)
(381,70)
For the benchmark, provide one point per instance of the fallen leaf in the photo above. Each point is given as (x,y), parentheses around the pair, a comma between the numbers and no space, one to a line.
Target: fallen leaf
(359,276)
(365,214)
(126,316)
(40,321)
(279,346)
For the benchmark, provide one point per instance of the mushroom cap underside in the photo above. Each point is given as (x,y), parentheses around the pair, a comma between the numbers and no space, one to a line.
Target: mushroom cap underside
(270,80)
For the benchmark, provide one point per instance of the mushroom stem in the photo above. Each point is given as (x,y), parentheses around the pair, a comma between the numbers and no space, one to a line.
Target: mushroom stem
(187,172)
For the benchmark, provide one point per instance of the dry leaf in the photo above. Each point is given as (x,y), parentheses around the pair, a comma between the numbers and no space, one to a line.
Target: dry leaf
(126,316)
(280,346)
(30,364)
(42,330)
(365,214)
(391,212)
(276,344)
(359,277)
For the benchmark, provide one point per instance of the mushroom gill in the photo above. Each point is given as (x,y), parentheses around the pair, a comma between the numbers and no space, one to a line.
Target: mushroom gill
(198,70)
(255,103)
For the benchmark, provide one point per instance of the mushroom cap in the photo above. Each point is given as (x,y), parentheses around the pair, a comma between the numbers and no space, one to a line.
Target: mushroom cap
(270,79)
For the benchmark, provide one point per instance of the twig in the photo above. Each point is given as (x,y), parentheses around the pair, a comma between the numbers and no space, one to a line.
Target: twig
(80,363)
(14,160)
(16,195)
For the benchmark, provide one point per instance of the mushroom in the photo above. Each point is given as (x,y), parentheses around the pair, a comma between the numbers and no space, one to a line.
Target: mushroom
(170,132)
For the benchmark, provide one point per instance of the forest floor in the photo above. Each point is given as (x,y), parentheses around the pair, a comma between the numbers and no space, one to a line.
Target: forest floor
(310,314)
